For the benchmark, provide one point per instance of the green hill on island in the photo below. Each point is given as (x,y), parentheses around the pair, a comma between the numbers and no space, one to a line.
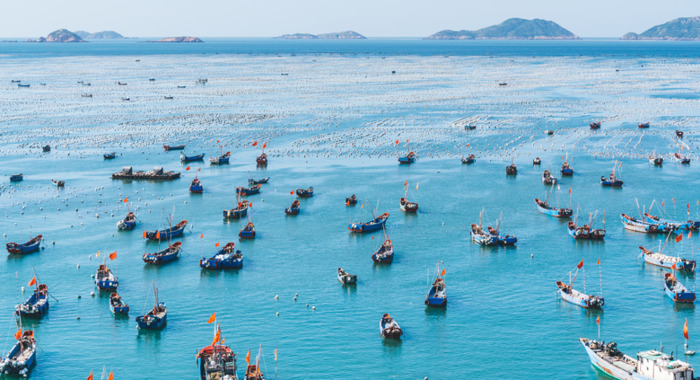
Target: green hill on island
(680,29)
(104,35)
(347,35)
(511,29)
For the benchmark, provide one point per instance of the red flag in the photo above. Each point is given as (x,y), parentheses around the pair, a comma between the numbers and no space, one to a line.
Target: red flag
(685,329)
(679,238)
(569,191)
(212,318)
(673,200)
(250,204)
(264,145)
(217,141)
(291,192)
(111,376)
(597,320)
(443,273)
(217,244)
(406,141)
(144,234)
(397,142)
(255,143)
(467,145)
(113,255)
(673,266)
(405,184)
(18,334)
(90,377)
(247,357)
(690,234)
(33,281)
(663,203)
(126,199)
(580,265)
(187,168)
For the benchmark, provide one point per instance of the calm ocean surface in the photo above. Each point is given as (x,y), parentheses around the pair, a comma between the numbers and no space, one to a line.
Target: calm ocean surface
(336,132)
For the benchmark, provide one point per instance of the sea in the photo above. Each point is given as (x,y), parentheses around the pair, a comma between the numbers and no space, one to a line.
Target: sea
(335,116)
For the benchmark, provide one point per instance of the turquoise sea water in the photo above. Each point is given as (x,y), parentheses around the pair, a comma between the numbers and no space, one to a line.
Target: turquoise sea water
(331,124)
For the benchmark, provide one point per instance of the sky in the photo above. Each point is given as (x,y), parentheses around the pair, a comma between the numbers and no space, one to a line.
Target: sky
(372,18)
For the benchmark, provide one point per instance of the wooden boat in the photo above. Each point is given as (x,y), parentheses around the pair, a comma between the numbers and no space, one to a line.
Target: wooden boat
(636,225)
(261,160)
(469,160)
(408,158)
(244,191)
(469,127)
(186,158)
(677,291)
(105,279)
(595,125)
(156,318)
(373,225)
(173,147)
(58,183)
(437,292)
(226,258)
(293,209)
(128,223)
(536,161)
(679,134)
(549,132)
(480,237)
(665,261)
(237,212)
(28,247)
(389,328)
(544,208)
(46,148)
(17,177)
(22,357)
(687,225)
(405,205)
(649,365)
(683,159)
(167,255)
(305,193)
(260,181)
(612,181)
(571,295)
(502,240)
(585,232)
(643,125)
(217,362)
(346,278)
(252,371)
(548,179)
(196,186)
(157,174)
(656,160)
(37,304)
(566,169)
(511,169)
(117,305)
(351,200)
(220,160)
(168,97)
(385,253)
(110,156)
(169,233)
(20,85)
(248,232)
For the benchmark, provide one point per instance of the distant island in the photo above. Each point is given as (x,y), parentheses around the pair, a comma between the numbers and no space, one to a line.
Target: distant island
(511,29)
(680,29)
(179,39)
(347,35)
(104,35)
(61,35)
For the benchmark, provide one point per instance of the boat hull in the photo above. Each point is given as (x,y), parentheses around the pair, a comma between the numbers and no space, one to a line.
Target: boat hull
(606,367)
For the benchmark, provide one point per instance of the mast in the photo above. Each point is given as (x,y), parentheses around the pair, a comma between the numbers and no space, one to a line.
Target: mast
(498,228)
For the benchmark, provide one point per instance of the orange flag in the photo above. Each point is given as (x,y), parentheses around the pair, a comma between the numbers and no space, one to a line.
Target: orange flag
(158,235)
(264,145)
(397,142)
(247,357)
(18,334)
(580,265)
(90,377)
(111,376)
(255,143)
(113,255)
(406,141)
(250,204)
(405,183)
(679,238)
(690,234)
(201,236)
(275,354)
(126,199)
(212,318)
(597,321)
(467,145)
(33,281)
(673,200)
(685,329)
(223,340)
(598,263)
(569,191)
(663,203)
(217,244)
(443,273)
(144,234)
(673,266)
(187,168)
(217,337)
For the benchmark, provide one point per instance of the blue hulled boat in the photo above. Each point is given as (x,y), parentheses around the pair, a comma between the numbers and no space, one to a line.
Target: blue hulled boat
(480,237)
(105,279)
(676,291)
(196,186)
(437,292)
(305,193)
(220,160)
(22,357)
(237,212)
(186,158)
(156,318)
(546,209)
(252,181)
(30,246)
(566,169)
(669,262)
(226,258)
(117,306)
(37,304)
(502,239)
(17,177)
(248,232)
(294,209)
(408,159)
(167,234)
(687,225)
(110,156)
(253,189)
(548,178)
(613,180)
(373,225)
(385,253)
(469,160)
(169,254)
(128,223)
(636,225)
(173,147)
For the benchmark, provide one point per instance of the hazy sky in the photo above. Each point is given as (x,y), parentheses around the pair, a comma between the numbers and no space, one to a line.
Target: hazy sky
(373,18)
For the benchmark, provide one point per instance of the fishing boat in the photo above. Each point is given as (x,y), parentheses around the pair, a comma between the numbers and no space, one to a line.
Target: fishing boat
(156,318)
(643,125)
(58,183)
(636,225)
(665,261)
(566,169)
(305,193)
(649,365)
(544,208)
(613,180)
(385,253)
(679,133)
(173,147)
(252,371)
(536,161)
(169,233)
(186,158)
(404,204)
(196,186)
(22,357)
(388,328)
(656,160)
(373,225)
(595,125)
(226,258)
(351,200)
(167,255)
(217,362)
(261,160)
(252,181)
(571,295)
(585,232)
(480,237)
(683,159)
(469,160)
(237,212)
(128,223)
(549,132)
(117,305)
(294,208)
(248,232)
(512,169)
(220,160)
(17,177)
(469,127)
(548,179)
(28,247)
(20,85)
(687,225)
(110,156)
(46,148)
(37,304)
(157,174)
(244,191)
(346,278)
(437,292)
(408,158)
(677,291)
(502,240)
(105,279)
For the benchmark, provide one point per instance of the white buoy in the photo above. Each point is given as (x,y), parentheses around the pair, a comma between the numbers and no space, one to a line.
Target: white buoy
(78,266)
(92,293)
(78,317)
(313,308)
(532,255)
(23,289)
(278,314)
(277,297)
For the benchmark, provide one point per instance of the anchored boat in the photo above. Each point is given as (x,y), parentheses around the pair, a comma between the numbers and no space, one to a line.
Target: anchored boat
(544,208)
(346,278)
(469,159)
(196,186)
(22,357)
(252,371)
(105,279)
(167,234)
(404,204)
(239,211)
(351,200)
(110,156)
(665,261)
(248,232)
(389,328)
(595,125)
(677,291)
(305,193)
(167,255)
(217,362)
(566,169)
(643,125)
(294,209)
(156,318)
(613,180)
(260,181)
(173,147)
(37,304)
(536,161)
(226,258)
(437,292)
(636,225)
(683,159)
(385,253)
(17,177)
(586,232)
(157,174)
(548,178)
(186,158)
(220,160)
(244,191)
(117,305)
(28,247)
(408,158)
(128,223)
(571,295)
(511,169)
(373,225)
